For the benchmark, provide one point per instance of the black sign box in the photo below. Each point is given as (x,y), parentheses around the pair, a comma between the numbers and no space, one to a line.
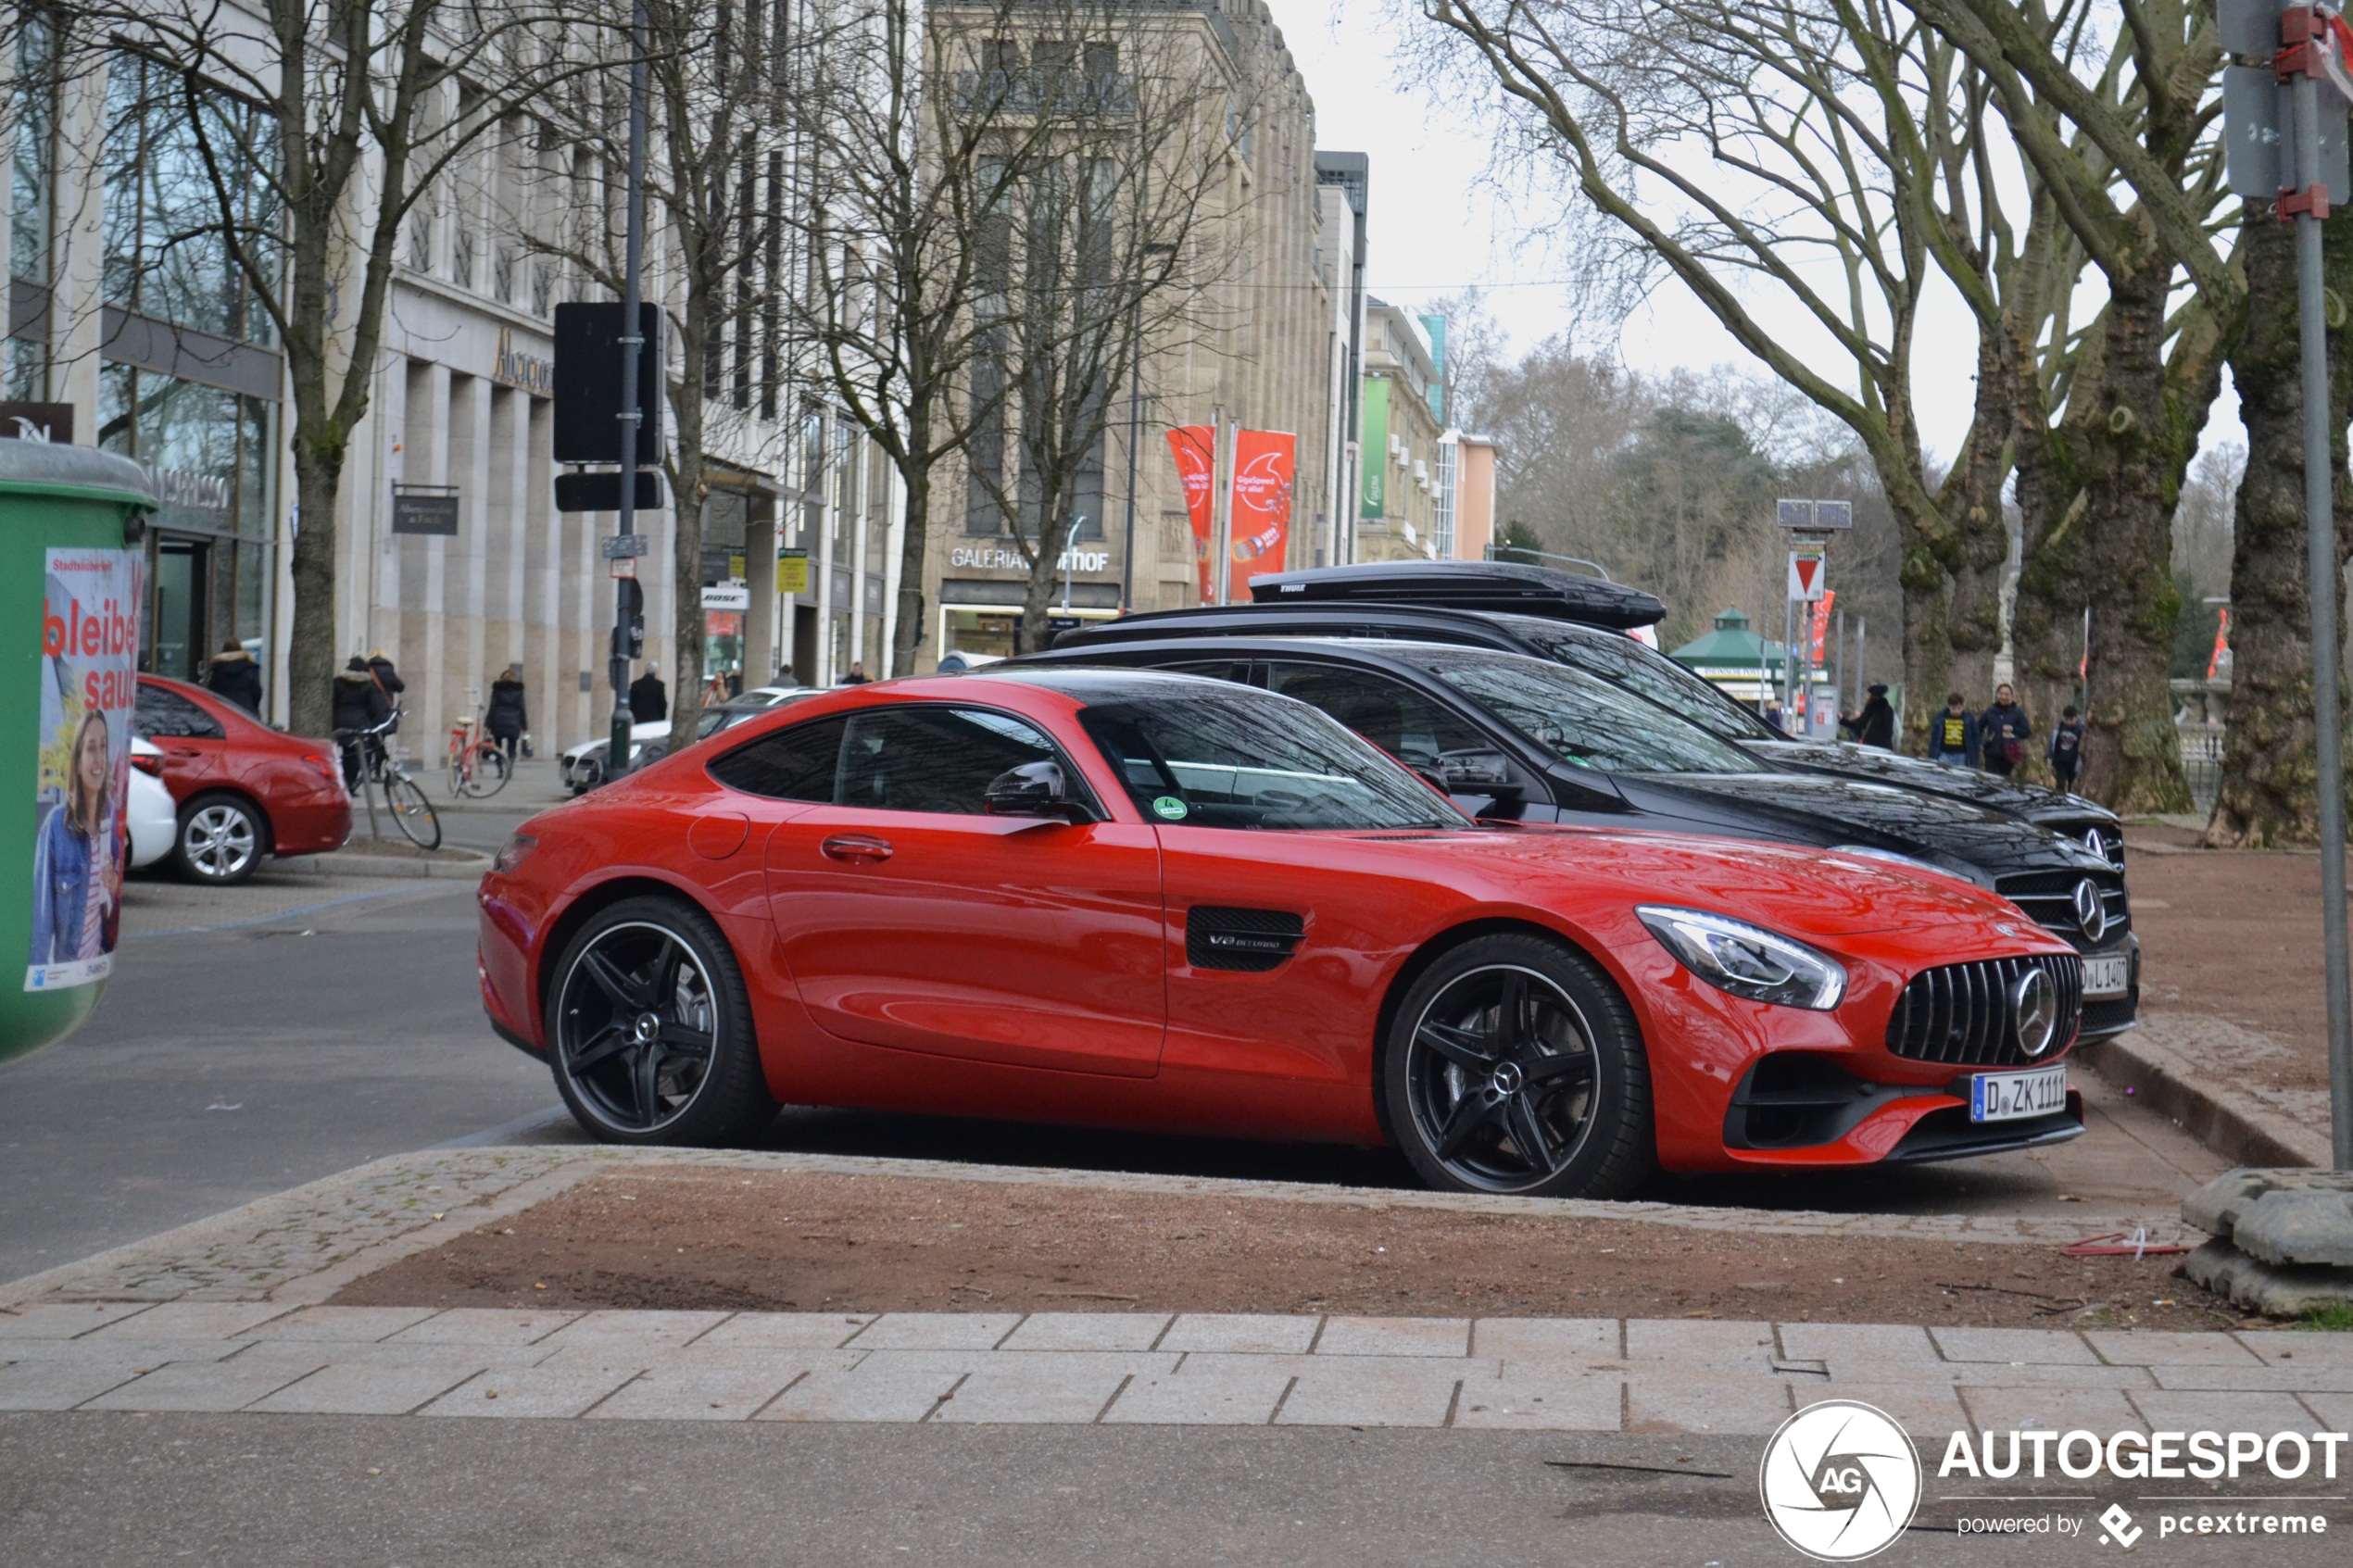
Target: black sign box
(424,511)
(588,385)
(601,492)
(50,422)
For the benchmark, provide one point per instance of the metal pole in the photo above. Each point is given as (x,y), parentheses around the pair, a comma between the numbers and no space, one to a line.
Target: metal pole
(1221,511)
(1838,665)
(1789,661)
(2321,544)
(631,416)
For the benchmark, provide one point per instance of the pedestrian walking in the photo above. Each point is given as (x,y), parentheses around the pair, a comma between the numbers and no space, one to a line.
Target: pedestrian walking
(2065,748)
(2003,730)
(234,675)
(1874,723)
(857,676)
(506,718)
(648,698)
(1952,735)
(360,704)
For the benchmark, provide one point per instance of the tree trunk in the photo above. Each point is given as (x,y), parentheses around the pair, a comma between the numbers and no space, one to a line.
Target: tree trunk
(908,632)
(687,632)
(2270,794)
(312,651)
(1928,642)
(1038,594)
(1980,540)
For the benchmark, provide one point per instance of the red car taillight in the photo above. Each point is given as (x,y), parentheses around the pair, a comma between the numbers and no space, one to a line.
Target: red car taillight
(147,763)
(325,767)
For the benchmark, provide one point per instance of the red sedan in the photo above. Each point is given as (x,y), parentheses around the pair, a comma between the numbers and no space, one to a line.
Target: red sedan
(243,789)
(1149,900)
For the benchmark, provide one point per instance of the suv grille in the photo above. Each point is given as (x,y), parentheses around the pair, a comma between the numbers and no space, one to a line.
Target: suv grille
(1960,1013)
(2049,900)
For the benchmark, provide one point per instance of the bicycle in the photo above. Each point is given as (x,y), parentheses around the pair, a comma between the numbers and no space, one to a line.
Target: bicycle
(478,767)
(373,764)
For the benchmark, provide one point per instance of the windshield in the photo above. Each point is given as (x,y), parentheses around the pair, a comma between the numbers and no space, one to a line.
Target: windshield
(1583,721)
(1627,664)
(1239,759)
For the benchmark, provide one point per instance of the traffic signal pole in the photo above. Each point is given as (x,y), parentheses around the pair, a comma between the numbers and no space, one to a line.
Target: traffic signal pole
(629,599)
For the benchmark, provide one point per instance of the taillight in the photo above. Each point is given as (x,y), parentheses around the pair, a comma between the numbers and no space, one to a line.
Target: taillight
(147,763)
(325,767)
(514,852)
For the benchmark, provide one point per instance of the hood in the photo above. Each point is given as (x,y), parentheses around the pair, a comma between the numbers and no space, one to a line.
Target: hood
(227,657)
(1821,809)
(357,677)
(2032,801)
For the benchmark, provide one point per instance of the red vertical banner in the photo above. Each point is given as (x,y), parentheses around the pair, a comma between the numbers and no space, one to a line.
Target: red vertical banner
(1822,625)
(1194,448)
(1264,461)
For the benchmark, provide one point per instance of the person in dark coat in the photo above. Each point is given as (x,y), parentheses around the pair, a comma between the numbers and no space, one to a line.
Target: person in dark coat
(388,680)
(1952,735)
(360,704)
(2065,748)
(236,676)
(648,698)
(1874,723)
(506,718)
(2003,730)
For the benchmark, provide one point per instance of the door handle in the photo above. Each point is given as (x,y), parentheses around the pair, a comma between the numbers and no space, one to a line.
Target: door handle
(182,751)
(855,846)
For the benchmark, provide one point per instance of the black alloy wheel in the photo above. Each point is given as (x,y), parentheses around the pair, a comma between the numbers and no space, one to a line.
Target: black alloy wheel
(651,1032)
(1513,1066)
(220,840)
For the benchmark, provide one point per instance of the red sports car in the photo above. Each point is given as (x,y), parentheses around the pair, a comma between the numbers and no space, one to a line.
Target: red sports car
(1150,900)
(243,789)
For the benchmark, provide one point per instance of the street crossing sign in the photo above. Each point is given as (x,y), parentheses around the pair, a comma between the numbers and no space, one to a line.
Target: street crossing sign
(1805,573)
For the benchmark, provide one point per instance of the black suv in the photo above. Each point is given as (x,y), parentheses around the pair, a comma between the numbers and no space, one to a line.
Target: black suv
(1511,737)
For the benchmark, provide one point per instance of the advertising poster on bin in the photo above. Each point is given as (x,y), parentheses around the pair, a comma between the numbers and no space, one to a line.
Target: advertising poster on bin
(89,685)
(1263,471)
(1195,446)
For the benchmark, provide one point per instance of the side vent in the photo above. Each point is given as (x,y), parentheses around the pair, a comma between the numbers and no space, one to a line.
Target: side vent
(1250,940)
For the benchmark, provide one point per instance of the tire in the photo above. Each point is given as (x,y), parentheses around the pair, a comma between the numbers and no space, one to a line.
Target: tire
(489,773)
(1571,1077)
(649,1030)
(412,813)
(222,839)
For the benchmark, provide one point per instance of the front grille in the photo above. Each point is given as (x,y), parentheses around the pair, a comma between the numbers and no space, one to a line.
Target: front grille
(2049,900)
(1960,1013)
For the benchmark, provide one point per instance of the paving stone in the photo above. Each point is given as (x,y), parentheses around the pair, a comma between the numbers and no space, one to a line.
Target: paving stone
(2176,1410)
(635,1331)
(205,1385)
(2336,1412)
(2160,1347)
(785,1331)
(1541,1397)
(139,1352)
(710,1385)
(885,1385)
(557,1388)
(1656,1401)
(1374,1391)
(1088,1331)
(2032,1347)
(1233,1391)
(1998,1375)
(484,1325)
(1700,1342)
(1048,1385)
(936,1331)
(1262,1333)
(1548,1340)
(1866,1344)
(193,1319)
(2051,1410)
(1394,1336)
(343,1324)
(2298,1347)
(361,1388)
(2286,1378)
(55,1319)
(61,1385)
(1930,1413)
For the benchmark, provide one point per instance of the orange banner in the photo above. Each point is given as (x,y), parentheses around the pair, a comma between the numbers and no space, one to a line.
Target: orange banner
(1263,470)
(1194,448)
(1822,625)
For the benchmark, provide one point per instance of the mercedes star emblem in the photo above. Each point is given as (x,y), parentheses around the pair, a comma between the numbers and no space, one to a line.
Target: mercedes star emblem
(2034,1004)
(2090,912)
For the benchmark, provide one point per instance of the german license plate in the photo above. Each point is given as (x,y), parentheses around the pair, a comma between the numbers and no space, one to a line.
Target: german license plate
(2106,976)
(2005,1097)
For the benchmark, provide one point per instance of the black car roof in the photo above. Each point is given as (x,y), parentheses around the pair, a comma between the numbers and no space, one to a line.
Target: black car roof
(1462,585)
(1442,623)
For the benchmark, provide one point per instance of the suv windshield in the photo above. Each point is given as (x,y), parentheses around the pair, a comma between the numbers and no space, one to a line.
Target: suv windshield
(1625,663)
(1238,759)
(1583,721)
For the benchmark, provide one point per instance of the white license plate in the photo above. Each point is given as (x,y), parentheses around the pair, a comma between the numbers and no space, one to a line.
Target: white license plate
(2106,976)
(2005,1097)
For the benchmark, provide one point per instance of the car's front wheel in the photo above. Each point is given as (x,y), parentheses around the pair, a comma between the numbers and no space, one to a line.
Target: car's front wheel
(650,1034)
(1513,1065)
(220,841)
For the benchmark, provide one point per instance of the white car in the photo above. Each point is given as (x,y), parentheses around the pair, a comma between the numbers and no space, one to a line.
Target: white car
(583,766)
(154,819)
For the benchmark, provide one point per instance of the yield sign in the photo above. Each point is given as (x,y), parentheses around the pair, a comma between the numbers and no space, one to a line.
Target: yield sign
(1806,574)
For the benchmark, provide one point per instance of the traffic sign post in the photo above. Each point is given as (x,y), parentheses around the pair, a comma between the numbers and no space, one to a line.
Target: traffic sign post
(1808,578)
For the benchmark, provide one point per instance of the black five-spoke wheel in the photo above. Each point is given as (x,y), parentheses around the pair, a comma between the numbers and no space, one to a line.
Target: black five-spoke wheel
(1515,1067)
(650,1031)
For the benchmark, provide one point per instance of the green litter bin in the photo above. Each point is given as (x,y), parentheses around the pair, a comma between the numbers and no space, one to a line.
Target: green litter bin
(71,577)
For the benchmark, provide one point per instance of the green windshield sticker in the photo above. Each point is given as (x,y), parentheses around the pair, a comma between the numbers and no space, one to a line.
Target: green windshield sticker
(1170,807)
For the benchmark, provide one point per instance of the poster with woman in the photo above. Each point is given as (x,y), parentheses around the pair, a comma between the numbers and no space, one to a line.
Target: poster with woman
(89,685)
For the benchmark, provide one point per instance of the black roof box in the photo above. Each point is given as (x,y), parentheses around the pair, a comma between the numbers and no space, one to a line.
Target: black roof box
(1468,585)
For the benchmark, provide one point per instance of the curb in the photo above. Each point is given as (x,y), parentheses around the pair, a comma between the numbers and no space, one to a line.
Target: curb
(466,865)
(2236,1126)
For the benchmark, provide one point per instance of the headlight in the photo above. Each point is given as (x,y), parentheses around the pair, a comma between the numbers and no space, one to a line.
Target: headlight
(1966,873)
(1747,959)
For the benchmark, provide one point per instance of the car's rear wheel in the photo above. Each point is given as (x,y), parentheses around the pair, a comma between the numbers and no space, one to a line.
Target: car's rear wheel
(220,840)
(1515,1066)
(650,1031)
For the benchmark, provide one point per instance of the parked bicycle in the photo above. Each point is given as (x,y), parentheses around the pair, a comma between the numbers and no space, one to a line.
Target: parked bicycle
(375,771)
(478,767)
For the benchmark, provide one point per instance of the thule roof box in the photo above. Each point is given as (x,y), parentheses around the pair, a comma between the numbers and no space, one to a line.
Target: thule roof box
(1468,585)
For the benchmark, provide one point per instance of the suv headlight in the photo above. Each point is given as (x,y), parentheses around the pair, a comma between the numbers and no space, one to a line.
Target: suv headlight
(1747,959)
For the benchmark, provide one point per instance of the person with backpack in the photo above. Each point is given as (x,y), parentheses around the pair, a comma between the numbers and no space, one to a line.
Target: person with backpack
(1952,735)
(234,676)
(360,704)
(1874,723)
(2065,748)
(505,718)
(2003,730)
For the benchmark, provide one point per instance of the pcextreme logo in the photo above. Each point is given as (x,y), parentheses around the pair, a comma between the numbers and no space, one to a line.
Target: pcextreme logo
(1839,1481)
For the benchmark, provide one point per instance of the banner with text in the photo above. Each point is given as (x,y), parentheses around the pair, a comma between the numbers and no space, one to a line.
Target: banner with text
(89,683)
(1195,450)
(1263,463)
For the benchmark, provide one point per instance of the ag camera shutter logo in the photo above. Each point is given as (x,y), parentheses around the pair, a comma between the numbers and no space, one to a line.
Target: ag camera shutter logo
(1839,1481)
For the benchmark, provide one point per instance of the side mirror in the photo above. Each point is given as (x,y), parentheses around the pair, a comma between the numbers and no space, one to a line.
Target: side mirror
(1476,772)
(1034,789)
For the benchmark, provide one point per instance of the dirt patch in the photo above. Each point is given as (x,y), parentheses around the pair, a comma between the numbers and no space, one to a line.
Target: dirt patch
(786,1241)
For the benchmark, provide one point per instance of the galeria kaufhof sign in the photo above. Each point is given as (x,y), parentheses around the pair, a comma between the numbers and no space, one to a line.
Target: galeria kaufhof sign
(996,557)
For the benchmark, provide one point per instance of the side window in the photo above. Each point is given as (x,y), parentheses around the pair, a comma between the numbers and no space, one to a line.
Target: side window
(797,762)
(162,714)
(1391,715)
(925,759)
(1234,670)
